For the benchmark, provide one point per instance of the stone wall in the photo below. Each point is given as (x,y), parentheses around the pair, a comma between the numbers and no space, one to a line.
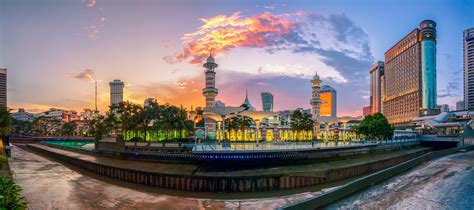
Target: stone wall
(227,183)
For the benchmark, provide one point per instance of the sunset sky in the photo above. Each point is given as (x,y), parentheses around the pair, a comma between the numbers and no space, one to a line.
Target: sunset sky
(157,47)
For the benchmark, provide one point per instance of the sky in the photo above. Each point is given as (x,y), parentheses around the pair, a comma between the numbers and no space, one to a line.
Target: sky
(53,49)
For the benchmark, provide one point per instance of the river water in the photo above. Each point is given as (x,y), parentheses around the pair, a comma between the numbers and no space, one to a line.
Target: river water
(445,183)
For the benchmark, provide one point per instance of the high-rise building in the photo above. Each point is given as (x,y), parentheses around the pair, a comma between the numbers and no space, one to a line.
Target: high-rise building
(376,73)
(116,92)
(443,108)
(3,87)
(366,111)
(459,105)
(468,45)
(328,97)
(210,91)
(409,80)
(267,102)
(315,97)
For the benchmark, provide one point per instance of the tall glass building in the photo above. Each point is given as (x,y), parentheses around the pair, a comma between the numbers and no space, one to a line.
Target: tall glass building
(267,102)
(428,64)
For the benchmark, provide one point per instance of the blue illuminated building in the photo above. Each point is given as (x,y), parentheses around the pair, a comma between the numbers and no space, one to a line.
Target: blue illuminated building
(428,63)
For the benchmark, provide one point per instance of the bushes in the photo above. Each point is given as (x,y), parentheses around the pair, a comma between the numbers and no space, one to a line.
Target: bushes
(10,194)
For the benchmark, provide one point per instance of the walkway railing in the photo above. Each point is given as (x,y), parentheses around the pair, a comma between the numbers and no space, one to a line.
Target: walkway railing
(307,145)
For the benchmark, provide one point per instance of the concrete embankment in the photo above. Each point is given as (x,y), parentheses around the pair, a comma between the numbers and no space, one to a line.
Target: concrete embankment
(191,177)
(364,182)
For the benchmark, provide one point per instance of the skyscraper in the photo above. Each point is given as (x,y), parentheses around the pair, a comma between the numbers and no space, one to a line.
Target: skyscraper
(428,65)
(3,87)
(376,73)
(267,102)
(409,80)
(210,91)
(328,96)
(116,92)
(468,45)
(459,105)
(315,97)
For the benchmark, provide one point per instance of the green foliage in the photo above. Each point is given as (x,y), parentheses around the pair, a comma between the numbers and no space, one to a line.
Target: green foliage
(68,128)
(22,127)
(46,125)
(375,126)
(5,122)
(238,122)
(10,195)
(301,121)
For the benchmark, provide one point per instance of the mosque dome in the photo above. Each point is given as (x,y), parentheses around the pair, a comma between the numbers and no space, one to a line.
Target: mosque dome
(316,76)
(210,59)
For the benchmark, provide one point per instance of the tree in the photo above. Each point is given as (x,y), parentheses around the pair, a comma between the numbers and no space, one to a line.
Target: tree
(301,121)
(47,125)
(88,117)
(5,122)
(68,128)
(22,127)
(375,126)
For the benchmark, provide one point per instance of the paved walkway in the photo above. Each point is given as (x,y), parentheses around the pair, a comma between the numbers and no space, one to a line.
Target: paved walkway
(445,183)
(50,185)
(188,169)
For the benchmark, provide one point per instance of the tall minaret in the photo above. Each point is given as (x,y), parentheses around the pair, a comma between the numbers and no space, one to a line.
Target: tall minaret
(315,100)
(210,91)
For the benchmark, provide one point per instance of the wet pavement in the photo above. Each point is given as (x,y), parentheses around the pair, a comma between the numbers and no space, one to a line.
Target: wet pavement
(50,185)
(445,183)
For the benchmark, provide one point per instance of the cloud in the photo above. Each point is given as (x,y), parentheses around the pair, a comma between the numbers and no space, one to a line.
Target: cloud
(449,91)
(302,71)
(296,32)
(87,74)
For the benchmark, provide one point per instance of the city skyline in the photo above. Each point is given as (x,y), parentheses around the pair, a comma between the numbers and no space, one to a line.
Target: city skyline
(120,40)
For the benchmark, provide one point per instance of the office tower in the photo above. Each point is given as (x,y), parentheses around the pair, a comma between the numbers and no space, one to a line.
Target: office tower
(315,97)
(443,108)
(376,73)
(409,80)
(3,87)
(459,105)
(328,97)
(267,102)
(116,92)
(428,65)
(468,54)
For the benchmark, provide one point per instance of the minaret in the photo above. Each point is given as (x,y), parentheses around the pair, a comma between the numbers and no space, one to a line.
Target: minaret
(210,91)
(315,100)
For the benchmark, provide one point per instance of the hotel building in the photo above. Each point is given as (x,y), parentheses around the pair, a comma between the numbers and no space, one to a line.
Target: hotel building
(468,45)
(409,81)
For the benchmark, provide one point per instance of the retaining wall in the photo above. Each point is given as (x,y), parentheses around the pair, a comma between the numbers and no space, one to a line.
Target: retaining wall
(359,184)
(227,183)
